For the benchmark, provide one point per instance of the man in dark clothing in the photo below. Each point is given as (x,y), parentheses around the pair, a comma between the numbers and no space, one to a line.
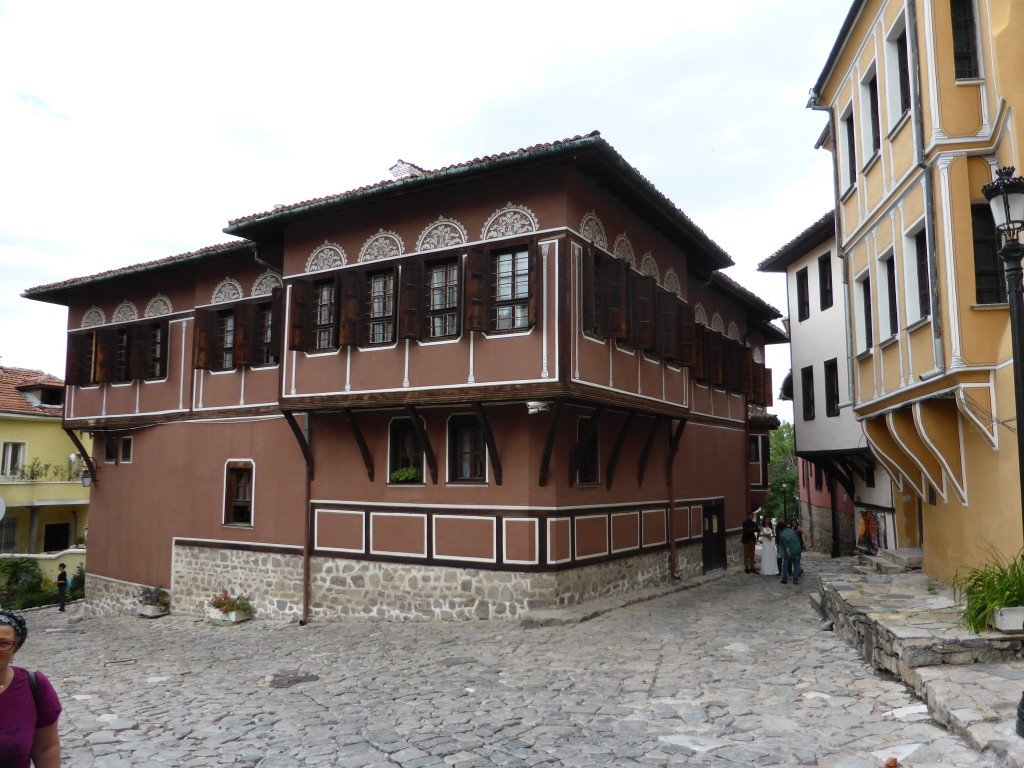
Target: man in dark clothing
(749,539)
(62,585)
(789,544)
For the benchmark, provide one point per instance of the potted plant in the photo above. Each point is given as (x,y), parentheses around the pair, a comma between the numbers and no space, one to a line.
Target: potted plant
(153,602)
(406,475)
(994,594)
(228,607)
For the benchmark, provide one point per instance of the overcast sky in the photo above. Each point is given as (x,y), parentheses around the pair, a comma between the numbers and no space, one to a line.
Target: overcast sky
(134,130)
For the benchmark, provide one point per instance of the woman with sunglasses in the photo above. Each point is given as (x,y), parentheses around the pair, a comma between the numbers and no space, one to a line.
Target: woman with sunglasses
(28,719)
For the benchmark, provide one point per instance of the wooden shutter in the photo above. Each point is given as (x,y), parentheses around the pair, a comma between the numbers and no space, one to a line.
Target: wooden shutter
(768,399)
(477,290)
(667,326)
(302,308)
(410,300)
(73,364)
(351,306)
(758,383)
(105,344)
(203,335)
(245,329)
(713,357)
(643,309)
(138,341)
(687,334)
(747,371)
(588,286)
(276,318)
(534,278)
(700,357)
(615,290)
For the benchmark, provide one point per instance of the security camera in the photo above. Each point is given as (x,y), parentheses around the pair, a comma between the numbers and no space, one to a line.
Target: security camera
(536,406)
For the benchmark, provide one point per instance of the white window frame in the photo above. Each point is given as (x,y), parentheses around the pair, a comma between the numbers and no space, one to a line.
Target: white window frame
(861,312)
(911,286)
(865,126)
(14,453)
(894,107)
(886,262)
(844,147)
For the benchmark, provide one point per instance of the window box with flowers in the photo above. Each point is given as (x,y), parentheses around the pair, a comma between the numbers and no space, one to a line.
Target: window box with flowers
(230,608)
(153,602)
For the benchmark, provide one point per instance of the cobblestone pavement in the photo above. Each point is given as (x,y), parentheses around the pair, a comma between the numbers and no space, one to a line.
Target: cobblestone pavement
(734,672)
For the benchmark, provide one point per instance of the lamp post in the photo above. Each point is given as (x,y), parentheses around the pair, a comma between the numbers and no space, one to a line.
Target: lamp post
(785,506)
(1005,197)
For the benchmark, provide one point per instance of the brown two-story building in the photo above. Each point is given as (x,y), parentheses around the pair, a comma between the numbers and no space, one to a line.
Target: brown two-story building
(519,381)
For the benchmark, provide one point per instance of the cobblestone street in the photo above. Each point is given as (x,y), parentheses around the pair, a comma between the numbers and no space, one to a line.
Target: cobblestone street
(734,672)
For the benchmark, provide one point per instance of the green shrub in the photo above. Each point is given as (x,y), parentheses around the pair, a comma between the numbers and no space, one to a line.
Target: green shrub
(989,587)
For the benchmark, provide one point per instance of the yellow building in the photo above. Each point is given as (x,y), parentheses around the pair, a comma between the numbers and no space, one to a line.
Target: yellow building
(925,101)
(44,507)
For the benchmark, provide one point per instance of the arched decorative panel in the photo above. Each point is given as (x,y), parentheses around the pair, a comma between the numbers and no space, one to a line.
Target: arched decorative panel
(158,305)
(672,282)
(265,284)
(593,230)
(510,220)
(383,245)
(327,256)
(734,332)
(227,290)
(758,357)
(94,316)
(717,324)
(624,250)
(443,233)
(125,313)
(699,315)
(649,267)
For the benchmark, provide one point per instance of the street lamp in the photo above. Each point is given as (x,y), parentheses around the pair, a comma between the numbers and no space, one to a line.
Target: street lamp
(1005,197)
(785,495)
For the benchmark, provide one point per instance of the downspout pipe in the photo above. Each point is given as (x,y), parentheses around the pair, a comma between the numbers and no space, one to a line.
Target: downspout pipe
(303,438)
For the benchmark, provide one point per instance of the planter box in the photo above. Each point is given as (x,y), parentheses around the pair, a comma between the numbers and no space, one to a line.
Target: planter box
(152,611)
(231,617)
(1009,619)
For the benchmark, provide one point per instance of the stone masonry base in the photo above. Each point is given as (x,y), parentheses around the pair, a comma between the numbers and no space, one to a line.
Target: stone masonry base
(395,591)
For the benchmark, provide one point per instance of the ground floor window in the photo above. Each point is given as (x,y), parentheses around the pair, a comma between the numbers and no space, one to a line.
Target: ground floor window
(466,450)
(8,532)
(238,493)
(405,456)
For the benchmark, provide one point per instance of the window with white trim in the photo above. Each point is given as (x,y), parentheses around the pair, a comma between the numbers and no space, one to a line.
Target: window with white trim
(915,274)
(888,304)
(897,72)
(864,320)
(238,493)
(13,459)
(847,149)
(870,118)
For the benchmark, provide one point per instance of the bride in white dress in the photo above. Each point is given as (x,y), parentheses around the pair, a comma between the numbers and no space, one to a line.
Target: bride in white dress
(769,556)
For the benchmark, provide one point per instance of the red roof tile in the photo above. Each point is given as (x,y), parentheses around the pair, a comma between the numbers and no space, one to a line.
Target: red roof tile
(13,382)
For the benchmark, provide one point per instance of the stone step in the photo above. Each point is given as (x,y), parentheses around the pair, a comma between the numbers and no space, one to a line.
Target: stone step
(910,557)
(815,598)
(884,565)
(864,570)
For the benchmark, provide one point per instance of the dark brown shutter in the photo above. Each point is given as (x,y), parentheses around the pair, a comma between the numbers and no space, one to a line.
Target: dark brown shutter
(687,334)
(713,361)
(768,399)
(164,329)
(350,306)
(588,284)
(276,319)
(667,325)
(105,343)
(758,384)
(245,329)
(700,357)
(643,296)
(302,308)
(477,290)
(138,340)
(410,300)
(73,364)
(203,335)
(615,290)
(731,364)
(747,371)
(534,278)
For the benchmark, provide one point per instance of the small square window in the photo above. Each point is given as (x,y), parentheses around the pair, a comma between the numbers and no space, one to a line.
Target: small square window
(405,456)
(127,444)
(110,450)
(466,450)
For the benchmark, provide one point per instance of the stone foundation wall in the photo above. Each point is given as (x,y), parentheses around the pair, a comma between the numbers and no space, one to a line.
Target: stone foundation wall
(406,591)
(109,597)
(817,524)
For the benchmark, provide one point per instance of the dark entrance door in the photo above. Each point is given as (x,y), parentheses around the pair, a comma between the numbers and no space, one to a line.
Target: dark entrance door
(713,540)
(56,536)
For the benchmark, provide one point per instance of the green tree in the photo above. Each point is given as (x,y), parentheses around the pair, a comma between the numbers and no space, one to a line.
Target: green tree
(782,447)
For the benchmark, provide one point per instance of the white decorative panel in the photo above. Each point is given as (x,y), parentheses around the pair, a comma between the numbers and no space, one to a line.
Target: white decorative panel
(510,220)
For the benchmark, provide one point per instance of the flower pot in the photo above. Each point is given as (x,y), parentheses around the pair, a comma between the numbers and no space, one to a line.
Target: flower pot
(232,617)
(152,611)
(1009,619)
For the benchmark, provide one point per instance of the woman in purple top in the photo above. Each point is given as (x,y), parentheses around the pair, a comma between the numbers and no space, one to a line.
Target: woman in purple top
(28,724)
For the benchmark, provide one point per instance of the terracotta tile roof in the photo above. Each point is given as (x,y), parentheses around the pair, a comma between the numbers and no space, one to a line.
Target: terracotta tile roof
(143,267)
(13,382)
(816,234)
(479,161)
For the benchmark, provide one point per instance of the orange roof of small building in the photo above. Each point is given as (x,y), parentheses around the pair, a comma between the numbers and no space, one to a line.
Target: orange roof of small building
(13,384)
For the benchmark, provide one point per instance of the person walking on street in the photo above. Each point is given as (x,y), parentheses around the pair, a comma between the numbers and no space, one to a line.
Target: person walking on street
(62,585)
(789,546)
(748,540)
